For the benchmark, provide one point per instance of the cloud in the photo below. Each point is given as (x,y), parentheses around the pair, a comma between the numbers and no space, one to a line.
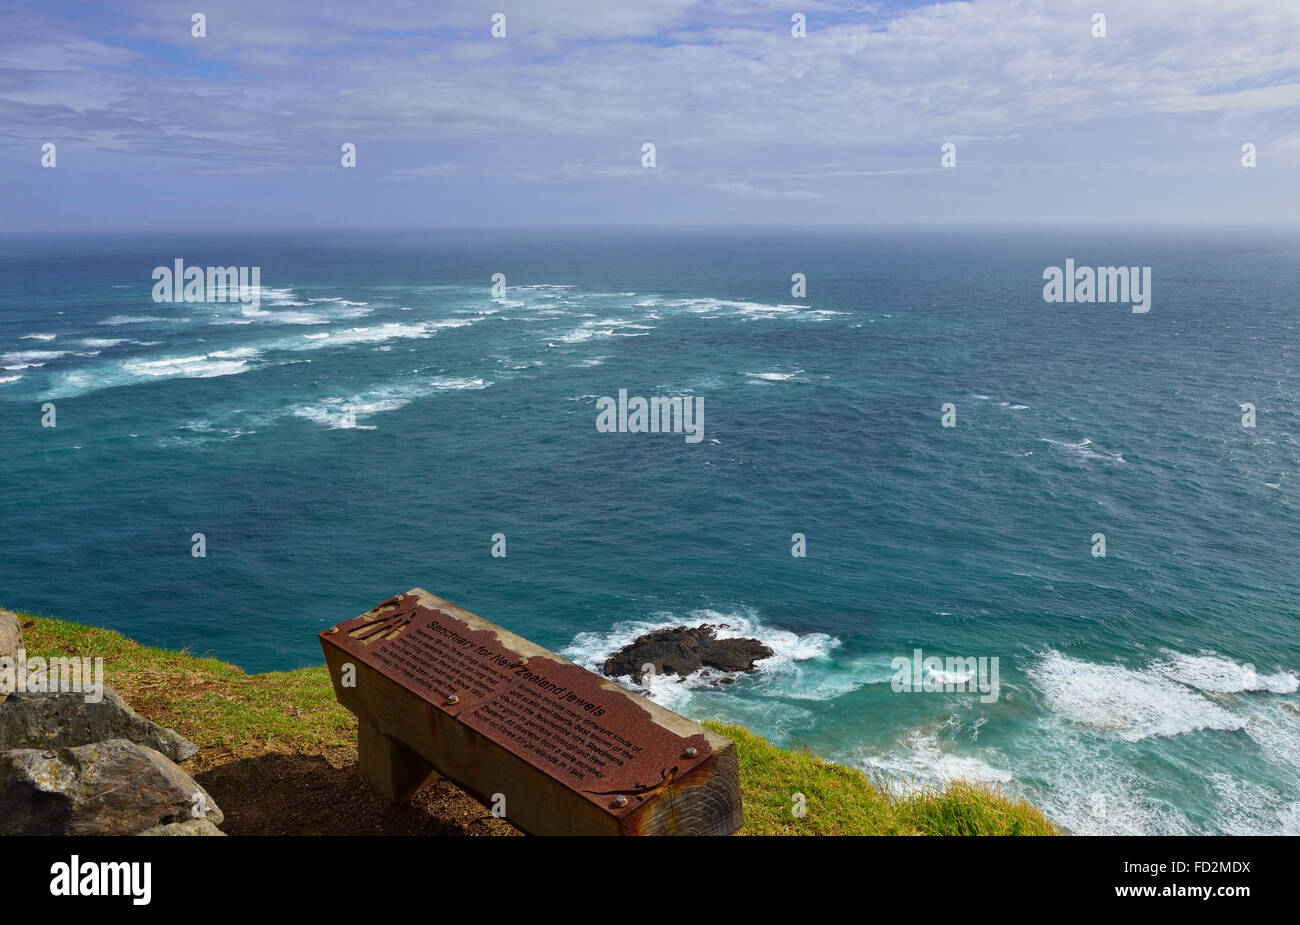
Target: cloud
(729,97)
(748,189)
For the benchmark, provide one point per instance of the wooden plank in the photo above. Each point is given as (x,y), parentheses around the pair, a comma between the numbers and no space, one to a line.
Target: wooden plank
(438,689)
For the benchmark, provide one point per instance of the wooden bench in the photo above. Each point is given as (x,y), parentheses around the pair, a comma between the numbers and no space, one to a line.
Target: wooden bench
(439,691)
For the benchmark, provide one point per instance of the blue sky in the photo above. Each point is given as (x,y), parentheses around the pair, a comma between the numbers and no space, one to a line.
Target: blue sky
(156,129)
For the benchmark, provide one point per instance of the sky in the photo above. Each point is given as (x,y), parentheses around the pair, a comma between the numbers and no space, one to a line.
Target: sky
(157,129)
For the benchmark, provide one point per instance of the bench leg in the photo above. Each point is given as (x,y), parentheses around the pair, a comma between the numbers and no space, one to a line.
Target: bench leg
(390,767)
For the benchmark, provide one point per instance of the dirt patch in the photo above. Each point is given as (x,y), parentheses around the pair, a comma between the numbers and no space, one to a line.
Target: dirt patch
(285,793)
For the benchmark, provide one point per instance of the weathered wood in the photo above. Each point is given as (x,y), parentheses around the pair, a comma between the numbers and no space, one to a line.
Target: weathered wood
(561,750)
(389,766)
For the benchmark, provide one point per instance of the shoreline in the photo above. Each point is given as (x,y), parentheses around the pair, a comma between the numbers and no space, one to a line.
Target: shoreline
(278,754)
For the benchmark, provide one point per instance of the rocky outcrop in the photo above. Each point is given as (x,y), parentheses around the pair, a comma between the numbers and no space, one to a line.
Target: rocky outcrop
(11,635)
(73,766)
(192,827)
(54,720)
(116,787)
(684,650)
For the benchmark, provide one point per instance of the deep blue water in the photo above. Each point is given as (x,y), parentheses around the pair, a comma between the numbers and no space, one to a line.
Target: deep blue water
(1152,690)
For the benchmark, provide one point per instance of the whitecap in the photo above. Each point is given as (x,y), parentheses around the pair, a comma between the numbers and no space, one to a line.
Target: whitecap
(1214,673)
(200,366)
(1127,703)
(132,319)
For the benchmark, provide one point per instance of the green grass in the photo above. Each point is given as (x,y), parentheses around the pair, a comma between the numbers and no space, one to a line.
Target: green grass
(230,715)
(838,800)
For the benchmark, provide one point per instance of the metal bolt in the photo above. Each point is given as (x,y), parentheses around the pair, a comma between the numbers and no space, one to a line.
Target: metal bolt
(453,699)
(620,800)
(331,631)
(691,752)
(521,660)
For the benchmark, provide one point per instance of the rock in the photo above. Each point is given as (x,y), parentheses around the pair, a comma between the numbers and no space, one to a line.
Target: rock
(62,719)
(192,827)
(683,650)
(11,634)
(108,788)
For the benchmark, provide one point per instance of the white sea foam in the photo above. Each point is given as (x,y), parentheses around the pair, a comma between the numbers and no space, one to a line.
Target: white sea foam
(748,310)
(25,359)
(350,412)
(1211,672)
(921,760)
(5,380)
(346,414)
(132,319)
(374,334)
(199,366)
(455,383)
(1245,807)
(801,667)
(578,335)
(284,312)
(274,296)
(38,336)
(939,676)
(1277,733)
(1083,449)
(1085,784)
(1124,702)
(776,377)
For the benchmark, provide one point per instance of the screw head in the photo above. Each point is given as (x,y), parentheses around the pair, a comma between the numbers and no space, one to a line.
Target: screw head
(521,660)
(620,800)
(691,752)
(453,699)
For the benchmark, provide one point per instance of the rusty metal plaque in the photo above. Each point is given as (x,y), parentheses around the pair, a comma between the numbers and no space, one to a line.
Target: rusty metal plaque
(546,710)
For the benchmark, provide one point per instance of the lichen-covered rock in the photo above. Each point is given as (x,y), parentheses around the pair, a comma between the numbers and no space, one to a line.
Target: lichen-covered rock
(11,636)
(192,827)
(65,719)
(684,650)
(108,788)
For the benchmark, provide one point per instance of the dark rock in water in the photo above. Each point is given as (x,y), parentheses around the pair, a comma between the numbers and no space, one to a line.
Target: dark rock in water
(108,788)
(684,650)
(65,719)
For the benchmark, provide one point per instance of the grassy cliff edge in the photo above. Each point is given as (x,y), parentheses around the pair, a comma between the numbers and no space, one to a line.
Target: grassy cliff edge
(278,754)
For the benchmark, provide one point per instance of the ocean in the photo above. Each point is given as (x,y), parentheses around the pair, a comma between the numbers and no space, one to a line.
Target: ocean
(382,415)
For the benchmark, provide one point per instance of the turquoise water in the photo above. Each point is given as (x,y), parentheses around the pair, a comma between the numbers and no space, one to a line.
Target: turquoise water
(1152,690)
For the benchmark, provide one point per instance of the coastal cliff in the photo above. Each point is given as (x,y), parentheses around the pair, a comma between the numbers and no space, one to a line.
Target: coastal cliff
(278,753)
